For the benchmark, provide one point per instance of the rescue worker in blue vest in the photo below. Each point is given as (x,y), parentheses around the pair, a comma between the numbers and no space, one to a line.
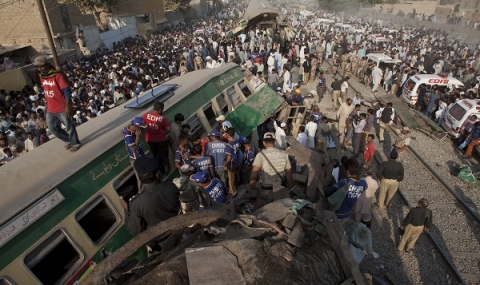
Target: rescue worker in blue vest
(202,162)
(158,201)
(216,150)
(214,187)
(249,153)
(232,160)
(131,137)
(385,117)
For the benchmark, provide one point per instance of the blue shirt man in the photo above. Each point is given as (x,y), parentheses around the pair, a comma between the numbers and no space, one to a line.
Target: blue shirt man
(233,149)
(214,187)
(216,150)
(202,163)
(355,190)
(131,137)
(182,154)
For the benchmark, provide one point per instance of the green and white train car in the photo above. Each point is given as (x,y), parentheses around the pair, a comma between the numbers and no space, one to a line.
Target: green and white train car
(60,212)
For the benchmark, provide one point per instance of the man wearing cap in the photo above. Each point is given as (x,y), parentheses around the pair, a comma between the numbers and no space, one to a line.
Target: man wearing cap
(188,195)
(131,137)
(214,187)
(232,160)
(249,153)
(158,201)
(271,165)
(211,63)
(280,134)
(59,105)
(224,126)
(391,173)
(155,136)
(403,139)
(216,150)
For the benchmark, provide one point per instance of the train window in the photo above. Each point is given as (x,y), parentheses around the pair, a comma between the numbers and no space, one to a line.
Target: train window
(243,86)
(233,96)
(222,103)
(53,259)
(97,219)
(209,114)
(196,127)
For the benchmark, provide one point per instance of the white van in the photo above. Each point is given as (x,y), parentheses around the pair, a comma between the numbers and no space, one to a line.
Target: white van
(409,94)
(344,27)
(380,57)
(458,113)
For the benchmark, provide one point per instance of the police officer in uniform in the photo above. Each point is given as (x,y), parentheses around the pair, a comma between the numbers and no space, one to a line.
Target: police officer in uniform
(158,201)
(272,165)
(385,117)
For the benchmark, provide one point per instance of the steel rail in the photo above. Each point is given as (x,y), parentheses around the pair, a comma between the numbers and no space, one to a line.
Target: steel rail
(464,205)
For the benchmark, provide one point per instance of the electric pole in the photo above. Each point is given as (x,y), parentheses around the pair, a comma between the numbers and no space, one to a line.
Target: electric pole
(48,31)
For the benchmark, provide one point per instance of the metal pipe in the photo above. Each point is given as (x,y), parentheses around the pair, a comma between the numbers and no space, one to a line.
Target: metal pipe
(48,32)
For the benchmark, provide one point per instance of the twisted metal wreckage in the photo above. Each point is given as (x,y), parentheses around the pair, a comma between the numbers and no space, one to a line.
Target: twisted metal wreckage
(284,241)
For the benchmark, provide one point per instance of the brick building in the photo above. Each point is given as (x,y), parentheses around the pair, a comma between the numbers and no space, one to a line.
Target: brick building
(22,26)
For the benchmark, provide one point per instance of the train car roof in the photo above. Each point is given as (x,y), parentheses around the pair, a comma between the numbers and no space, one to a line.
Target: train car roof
(256,8)
(29,177)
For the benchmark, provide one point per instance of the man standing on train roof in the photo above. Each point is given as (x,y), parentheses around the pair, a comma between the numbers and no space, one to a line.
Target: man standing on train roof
(157,126)
(59,105)
(158,202)
(131,137)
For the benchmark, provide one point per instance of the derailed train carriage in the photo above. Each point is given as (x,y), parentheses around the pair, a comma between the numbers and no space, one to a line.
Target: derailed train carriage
(260,14)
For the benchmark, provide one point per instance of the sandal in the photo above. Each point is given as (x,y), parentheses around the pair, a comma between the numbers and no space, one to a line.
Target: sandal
(68,145)
(75,147)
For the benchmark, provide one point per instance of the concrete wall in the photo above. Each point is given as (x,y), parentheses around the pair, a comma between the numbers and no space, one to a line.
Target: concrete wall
(120,28)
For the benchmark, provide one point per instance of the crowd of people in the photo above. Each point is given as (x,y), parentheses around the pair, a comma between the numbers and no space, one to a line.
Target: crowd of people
(213,166)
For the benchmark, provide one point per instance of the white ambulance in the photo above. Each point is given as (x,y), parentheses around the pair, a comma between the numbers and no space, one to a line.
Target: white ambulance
(379,58)
(458,113)
(409,94)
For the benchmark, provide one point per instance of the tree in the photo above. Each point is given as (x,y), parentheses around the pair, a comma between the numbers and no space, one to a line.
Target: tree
(176,5)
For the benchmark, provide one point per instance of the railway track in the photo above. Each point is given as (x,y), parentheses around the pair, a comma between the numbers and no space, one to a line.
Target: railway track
(455,233)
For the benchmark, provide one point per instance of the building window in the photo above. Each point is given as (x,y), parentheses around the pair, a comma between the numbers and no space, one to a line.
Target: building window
(210,114)
(97,219)
(233,96)
(65,17)
(222,104)
(53,259)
